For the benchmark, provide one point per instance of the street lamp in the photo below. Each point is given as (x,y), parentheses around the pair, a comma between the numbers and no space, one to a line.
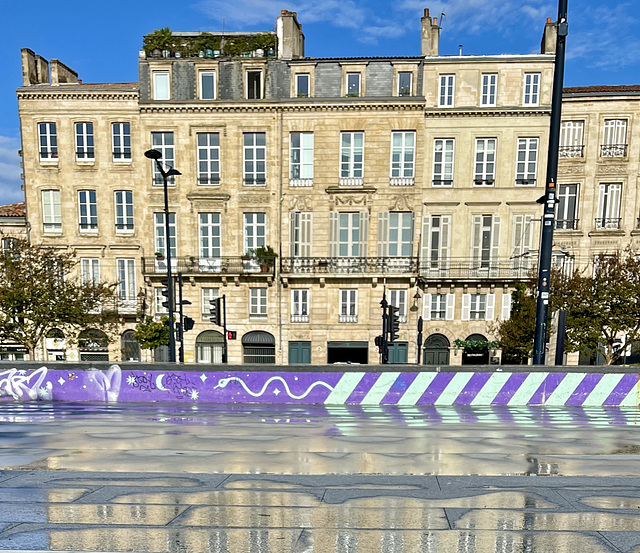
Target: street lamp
(156,155)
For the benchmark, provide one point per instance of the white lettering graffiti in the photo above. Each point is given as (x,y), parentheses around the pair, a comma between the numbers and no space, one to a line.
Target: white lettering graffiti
(17,383)
(109,382)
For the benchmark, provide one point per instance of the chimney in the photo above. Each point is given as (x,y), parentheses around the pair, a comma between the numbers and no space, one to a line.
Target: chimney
(61,74)
(430,40)
(289,35)
(29,73)
(549,38)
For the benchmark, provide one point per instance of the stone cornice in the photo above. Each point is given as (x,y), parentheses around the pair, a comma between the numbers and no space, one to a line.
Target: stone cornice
(100,95)
(488,112)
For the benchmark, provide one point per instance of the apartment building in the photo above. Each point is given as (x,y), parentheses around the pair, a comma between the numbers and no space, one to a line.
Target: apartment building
(415,178)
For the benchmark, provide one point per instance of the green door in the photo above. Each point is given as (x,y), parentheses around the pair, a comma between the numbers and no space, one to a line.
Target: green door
(398,352)
(299,353)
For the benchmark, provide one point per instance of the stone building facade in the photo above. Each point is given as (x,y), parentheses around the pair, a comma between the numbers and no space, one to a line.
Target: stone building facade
(413,177)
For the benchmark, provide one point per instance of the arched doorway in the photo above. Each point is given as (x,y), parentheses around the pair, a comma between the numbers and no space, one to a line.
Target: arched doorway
(478,354)
(259,347)
(56,345)
(130,347)
(436,350)
(93,345)
(209,347)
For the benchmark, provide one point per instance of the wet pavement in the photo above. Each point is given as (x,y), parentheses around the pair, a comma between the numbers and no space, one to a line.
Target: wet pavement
(236,478)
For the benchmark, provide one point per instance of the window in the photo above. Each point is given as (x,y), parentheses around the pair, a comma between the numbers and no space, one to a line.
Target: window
(398,298)
(258,302)
(505,315)
(478,307)
(485,241)
(527,161)
(351,158)
(567,208)
(126,279)
(614,138)
(300,306)
(348,306)
(395,234)
(121,137)
(302,85)
(405,82)
(353,84)
(609,195)
(489,85)
(531,89)
(161,88)
(443,149)
(84,142)
(48,141)
(210,234)
(254,84)
(571,139)
(160,240)
(522,244)
(208,158)
(565,263)
(163,142)
(301,232)
(301,159)
(255,155)
(255,230)
(485,165)
(349,234)
(436,240)
(438,307)
(90,269)
(403,145)
(208,294)
(51,212)
(446,91)
(88,210)
(159,299)
(207,85)
(124,210)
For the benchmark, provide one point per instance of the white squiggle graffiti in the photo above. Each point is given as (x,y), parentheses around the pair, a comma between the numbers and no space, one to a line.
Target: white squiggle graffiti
(16,383)
(223,382)
(109,381)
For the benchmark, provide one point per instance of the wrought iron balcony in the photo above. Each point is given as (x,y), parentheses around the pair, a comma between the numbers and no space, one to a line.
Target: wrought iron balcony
(208,265)
(472,269)
(604,223)
(565,152)
(613,150)
(348,265)
(567,224)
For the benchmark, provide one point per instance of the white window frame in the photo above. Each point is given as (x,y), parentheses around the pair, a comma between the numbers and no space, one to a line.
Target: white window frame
(123,204)
(258,303)
(436,305)
(353,84)
(505,313)
(348,305)
(255,230)
(484,173)
(208,146)
(209,236)
(303,76)
(489,89)
(614,138)
(48,141)
(254,159)
(51,211)
(163,142)
(90,269)
(160,239)
(126,279)
(446,91)
(566,217)
(403,158)
(443,161)
(301,231)
(402,90)
(609,205)
(478,307)
(161,85)
(485,253)
(300,305)
(349,239)
(527,162)
(301,152)
(571,139)
(436,243)
(399,236)
(87,211)
(351,158)
(398,298)
(121,141)
(250,92)
(531,89)
(208,74)
(85,146)
(208,294)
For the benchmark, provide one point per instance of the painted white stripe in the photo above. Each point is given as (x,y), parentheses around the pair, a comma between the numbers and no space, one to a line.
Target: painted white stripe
(491,388)
(417,388)
(564,390)
(344,388)
(632,397)
(380,388)
(602,390)
(527,389)
(452,391)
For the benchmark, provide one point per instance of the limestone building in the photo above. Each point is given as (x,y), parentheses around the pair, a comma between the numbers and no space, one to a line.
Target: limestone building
(416,177)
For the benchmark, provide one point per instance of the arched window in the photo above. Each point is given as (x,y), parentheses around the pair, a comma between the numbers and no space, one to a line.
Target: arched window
(130,347)
(477,355)
(209,347)
(436,350)
(56,345)
(259,347)
(93,345)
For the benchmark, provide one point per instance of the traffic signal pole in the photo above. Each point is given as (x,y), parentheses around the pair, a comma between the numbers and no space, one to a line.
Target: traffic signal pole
(548,217)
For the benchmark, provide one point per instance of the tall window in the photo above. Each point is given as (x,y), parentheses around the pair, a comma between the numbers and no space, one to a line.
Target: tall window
(522,243)
(48,141)
(51,211)
(208,158)
(124,210)
(302,85)
(395,234)
(255,230)
(571,139)
(531,89)
(438,306)
(161,86)
(436,241)
(398,298)
(445,99)
(485,240)
(403,148)
(567,207)
(353,84)
(527,162)
(443,149)
(163,142)
(485,165)
(209,232)
(121,138)
(90,268)
(160,237)
(87,210)
(405,82)
(84,142)
(255,156)
(258,302)
(208,294)
(478,307)
(348,306)
(351,157)
(301,159)
(254,84)
(489,85)
(349,234)
(126,279)
(300,305)
(609,195)
(301,232)
(207,85)
(614,138)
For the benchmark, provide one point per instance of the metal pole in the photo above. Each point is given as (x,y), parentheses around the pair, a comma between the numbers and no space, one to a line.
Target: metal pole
(181,350)
(172,337)
(225,352)
(385,327)
(419,340)
(562,327)
(544,272)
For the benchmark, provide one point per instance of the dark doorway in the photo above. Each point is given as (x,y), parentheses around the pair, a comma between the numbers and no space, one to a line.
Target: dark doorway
(348,352)
(436,350)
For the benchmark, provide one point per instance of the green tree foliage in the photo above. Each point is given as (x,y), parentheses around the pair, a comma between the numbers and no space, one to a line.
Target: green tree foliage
(151,334)
(39,291)
(603,305)
(515,335)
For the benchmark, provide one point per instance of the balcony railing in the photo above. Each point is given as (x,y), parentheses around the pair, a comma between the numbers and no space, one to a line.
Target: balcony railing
(349,265)
(567,224)
(504,268)
(608,223)
(208,265)
(565,152)
(613,150)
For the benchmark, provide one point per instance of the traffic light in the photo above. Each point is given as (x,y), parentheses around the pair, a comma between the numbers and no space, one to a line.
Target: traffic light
(187,323)
(231,334)
(165,292)
(379,342)
(216,311)
(394,327)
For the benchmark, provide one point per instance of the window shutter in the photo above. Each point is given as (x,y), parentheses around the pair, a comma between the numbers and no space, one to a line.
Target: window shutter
(451,304)
(495,238)
(333,234)
(518,222)
(466,307)
(445,235)
(491,304)
(383,234)
(527,240)
(601,205)
(364,232)
(306,226)
(506,307)
(413,226)
(426,307)
(292,234)
(614,201)
(476,238)
(424,253)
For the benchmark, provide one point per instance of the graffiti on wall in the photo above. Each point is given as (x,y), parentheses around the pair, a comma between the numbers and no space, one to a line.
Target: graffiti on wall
(20,383)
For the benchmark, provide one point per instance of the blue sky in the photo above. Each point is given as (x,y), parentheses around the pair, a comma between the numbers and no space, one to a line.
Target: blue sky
(101,40)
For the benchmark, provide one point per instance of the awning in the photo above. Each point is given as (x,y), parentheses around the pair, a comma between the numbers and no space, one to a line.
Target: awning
(258,338)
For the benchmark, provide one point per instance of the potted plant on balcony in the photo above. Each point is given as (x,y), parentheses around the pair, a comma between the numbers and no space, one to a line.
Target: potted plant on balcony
(265,257)
(159,256)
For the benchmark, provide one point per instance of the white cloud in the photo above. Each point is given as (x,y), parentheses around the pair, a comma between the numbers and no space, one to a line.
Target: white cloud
(10,171)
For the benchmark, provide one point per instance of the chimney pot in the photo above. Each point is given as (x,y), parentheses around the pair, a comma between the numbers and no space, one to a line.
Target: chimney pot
(435,21)
(548,20)
(426,12)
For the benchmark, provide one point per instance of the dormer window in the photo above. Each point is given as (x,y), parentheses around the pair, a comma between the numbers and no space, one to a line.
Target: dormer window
(161,90)
(254,84)
(353,84)
(302,85)
(404,83)
(207,85)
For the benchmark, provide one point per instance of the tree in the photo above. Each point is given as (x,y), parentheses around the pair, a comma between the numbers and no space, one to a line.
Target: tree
(152,334)
(515,335)
(603,307)
(40,291)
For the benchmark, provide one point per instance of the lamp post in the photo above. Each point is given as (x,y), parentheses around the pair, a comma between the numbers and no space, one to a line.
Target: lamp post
(156,155)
